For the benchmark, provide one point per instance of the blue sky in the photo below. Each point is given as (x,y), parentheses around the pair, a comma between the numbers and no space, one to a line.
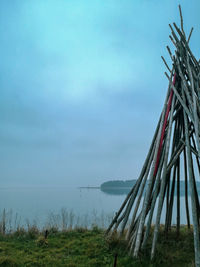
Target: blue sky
(82,86)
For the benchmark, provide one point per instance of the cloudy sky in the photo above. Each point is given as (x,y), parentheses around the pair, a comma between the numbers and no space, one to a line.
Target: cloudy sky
(82,86)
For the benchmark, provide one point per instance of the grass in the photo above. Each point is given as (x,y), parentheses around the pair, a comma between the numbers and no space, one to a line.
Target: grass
(84,248)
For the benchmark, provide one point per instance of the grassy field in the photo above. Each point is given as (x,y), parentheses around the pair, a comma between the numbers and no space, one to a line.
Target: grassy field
(84,248)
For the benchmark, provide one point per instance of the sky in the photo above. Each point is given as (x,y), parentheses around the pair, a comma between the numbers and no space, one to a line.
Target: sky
(82,86)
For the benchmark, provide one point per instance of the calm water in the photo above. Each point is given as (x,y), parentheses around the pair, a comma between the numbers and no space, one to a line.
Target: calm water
(39,203)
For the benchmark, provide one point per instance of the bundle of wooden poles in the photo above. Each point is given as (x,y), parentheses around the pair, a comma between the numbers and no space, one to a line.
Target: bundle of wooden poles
(173,156)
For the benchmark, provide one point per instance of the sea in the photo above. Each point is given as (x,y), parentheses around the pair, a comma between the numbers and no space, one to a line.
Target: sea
(72,206)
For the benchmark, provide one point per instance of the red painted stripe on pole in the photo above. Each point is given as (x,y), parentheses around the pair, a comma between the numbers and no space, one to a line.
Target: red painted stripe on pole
(164,127)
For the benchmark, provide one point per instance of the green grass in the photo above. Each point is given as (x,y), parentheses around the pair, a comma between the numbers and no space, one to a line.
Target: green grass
(85,248)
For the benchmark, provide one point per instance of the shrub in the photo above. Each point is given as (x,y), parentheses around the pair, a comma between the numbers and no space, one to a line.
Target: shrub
(33,232)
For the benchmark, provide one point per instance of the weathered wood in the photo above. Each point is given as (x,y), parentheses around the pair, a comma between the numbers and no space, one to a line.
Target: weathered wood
(178,198)
(161,195)
(176,144)
(197,156)
(155,195)
(150,183)
(149,187)
(181,17)
(169,213)
(193,202)
(190,34)
(186,190)
(184,105)
(139,199)
(139,179)
(196,119)
(166,64)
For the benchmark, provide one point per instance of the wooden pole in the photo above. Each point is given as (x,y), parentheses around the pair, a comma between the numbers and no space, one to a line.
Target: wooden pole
(186,190)
(161,196)
(191,180)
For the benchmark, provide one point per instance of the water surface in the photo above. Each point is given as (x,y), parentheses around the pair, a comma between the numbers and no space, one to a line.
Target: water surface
(37,203)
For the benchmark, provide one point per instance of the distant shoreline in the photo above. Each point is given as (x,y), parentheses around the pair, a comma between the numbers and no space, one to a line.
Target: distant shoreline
(89,187)
(117,187)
